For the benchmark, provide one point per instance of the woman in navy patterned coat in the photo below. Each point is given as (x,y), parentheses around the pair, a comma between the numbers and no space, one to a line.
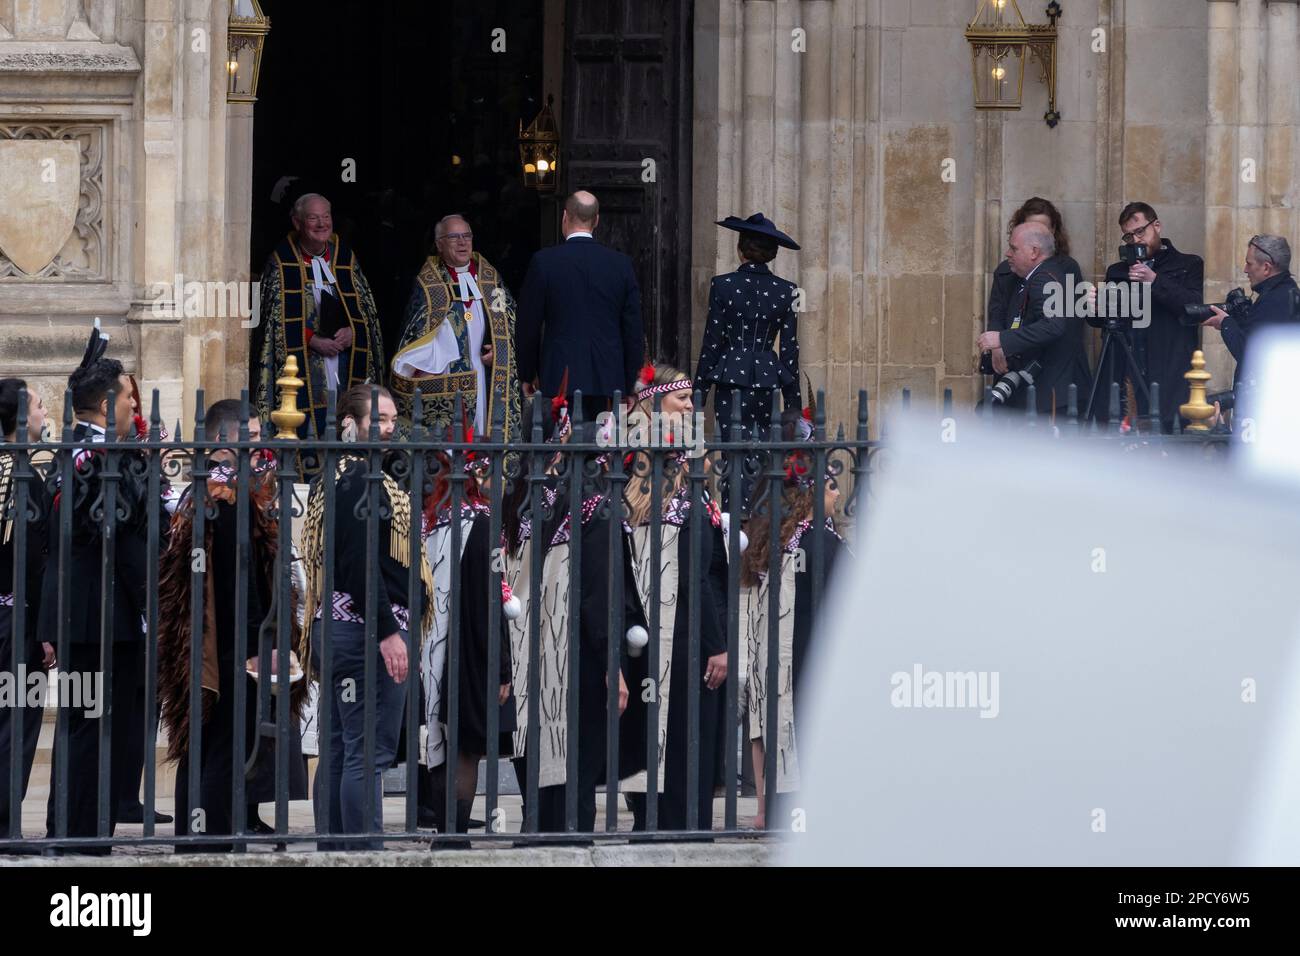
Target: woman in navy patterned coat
(748,308)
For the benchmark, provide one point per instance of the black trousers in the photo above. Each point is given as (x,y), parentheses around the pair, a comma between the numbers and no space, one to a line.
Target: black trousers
(216,771)
(84,779)
(126,785)
(31,728)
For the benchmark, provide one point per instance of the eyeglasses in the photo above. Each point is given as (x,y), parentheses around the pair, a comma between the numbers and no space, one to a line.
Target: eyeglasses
(1254,241)
(1136,233)
(458,236)
(317,220)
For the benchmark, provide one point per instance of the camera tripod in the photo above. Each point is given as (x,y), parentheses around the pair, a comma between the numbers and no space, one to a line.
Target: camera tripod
(1111,335)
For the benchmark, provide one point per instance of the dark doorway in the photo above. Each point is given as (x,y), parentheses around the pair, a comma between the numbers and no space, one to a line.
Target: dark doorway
(627,100)
(414,95)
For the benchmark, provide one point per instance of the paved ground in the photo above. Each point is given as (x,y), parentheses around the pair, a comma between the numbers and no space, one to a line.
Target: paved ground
(733,852)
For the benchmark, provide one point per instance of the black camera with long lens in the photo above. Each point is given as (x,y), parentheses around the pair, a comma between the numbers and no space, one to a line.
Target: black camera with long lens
(1011,383)
(1236,304)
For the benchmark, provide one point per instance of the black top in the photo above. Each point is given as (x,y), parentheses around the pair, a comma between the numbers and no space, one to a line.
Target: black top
(1056,341)
(747,309)
(1274,304)
(37,544)
(580,309)
(350,552)
(85,557)
(476,591)
(1164,348)
(805,614)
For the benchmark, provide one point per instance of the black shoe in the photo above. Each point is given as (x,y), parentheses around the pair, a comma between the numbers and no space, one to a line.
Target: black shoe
(135,814)
(427,819)
(257,825)
(23,851)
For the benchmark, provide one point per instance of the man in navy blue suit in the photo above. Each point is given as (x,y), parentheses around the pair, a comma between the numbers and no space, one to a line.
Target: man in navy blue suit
(580,310)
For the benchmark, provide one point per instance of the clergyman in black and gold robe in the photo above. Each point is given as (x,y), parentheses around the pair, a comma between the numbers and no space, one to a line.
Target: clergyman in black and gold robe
(317,306)
(458,339)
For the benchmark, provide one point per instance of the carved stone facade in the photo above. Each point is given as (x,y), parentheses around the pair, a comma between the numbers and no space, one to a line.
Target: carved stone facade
(134,91)
(844,144)
(837,118)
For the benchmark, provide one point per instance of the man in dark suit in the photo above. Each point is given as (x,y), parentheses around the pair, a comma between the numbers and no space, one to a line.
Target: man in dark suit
(97,383)
(1163,347)
(1027,330)
(580,311)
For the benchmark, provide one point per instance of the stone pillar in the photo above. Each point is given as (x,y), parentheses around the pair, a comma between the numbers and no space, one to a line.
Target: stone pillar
(1234,144)
(1222,171)
(818,226)
(238,233)
(157,175)
(788,70)
(842,314)
(1250,129)
(758,189)
(68,85)
(1279,131)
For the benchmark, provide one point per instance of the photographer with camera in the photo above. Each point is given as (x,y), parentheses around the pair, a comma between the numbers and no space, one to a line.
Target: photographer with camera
(1268,264)
(1162,343)
(1023,339)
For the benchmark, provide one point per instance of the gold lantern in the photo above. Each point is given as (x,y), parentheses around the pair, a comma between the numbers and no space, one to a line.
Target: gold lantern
(245,34)
(539,150)
(1001,42)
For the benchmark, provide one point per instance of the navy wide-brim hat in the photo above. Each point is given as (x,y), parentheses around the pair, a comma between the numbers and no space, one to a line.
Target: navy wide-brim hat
(759,225)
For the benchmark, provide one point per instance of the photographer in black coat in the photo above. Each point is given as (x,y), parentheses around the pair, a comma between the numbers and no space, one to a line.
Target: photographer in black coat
(1268,264)
(1026,330)
(1163,348)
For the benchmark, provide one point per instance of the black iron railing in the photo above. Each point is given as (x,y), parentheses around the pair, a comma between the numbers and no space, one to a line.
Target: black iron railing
(111,494)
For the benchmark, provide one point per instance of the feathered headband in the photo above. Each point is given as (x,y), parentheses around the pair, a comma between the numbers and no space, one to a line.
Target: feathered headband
(645,387)
(560,410)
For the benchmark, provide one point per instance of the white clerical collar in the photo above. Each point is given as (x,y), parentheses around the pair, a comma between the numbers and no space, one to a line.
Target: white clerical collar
(468,287)
(575,235)
(320,273)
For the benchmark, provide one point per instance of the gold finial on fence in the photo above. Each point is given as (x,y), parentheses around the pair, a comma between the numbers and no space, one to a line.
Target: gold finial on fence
(1197,410)
(287,417)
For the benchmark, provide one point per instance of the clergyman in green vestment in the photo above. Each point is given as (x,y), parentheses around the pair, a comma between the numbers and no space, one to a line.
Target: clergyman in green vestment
(458,339)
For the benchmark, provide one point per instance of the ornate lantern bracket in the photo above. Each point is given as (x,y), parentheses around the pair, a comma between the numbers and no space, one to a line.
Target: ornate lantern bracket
(245,36)
(1001,42)
(539,150)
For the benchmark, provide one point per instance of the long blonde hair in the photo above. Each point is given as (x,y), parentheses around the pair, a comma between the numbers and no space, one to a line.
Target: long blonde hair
(637,492)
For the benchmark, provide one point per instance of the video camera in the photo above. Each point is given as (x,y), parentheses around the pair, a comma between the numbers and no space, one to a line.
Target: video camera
(1132,254)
